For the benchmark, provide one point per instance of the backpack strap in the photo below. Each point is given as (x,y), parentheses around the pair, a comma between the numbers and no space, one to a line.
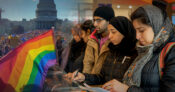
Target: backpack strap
(162,56)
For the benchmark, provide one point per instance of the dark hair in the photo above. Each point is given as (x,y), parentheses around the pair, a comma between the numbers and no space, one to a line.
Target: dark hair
(142,16)
(87,25)
(162,4)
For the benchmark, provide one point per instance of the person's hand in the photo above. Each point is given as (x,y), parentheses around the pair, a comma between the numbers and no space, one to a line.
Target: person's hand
(68,75)
(115,86)
(77,76)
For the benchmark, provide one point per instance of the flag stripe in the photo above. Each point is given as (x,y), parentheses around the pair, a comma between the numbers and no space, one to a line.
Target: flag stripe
(18,66)
(39,77)
(6,71)
(49,64)
(16,71)
(29,64)
(37,67)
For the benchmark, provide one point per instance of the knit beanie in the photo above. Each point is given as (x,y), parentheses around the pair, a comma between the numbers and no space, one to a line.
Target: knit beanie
(105,12)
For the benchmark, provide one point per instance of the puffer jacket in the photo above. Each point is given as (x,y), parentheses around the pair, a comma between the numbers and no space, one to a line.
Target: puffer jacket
(150,79)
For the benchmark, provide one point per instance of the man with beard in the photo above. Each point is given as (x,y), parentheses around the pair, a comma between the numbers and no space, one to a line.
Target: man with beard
(97,45)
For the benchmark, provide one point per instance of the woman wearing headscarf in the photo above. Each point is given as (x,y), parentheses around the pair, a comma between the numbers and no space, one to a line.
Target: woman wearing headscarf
(122,53)
(153,31)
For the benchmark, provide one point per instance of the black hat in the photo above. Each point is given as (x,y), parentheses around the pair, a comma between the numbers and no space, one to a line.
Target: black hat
(105,12)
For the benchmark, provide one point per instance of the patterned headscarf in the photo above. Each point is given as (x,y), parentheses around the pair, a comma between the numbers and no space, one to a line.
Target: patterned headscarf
(162,29)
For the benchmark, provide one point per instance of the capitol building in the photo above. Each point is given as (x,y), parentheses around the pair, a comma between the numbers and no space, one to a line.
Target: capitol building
(46,14)
(46,18)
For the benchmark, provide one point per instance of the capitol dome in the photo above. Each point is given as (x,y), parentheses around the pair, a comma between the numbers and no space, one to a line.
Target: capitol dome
(46,14)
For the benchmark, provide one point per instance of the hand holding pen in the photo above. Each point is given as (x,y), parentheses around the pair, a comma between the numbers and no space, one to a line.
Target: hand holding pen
(76,73)
(77,76)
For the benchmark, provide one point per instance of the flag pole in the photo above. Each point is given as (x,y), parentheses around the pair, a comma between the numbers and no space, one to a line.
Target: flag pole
(56,50)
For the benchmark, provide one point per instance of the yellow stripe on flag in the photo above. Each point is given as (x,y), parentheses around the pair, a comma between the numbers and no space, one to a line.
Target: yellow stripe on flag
(29,65)
(17,70)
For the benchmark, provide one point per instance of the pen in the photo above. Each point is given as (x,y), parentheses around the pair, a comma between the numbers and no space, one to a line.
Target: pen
(76,74)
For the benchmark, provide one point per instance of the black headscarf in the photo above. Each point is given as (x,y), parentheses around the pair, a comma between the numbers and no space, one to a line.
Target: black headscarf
(125,27)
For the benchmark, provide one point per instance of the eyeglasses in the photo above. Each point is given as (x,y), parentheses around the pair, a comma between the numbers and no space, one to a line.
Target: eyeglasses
(97,20)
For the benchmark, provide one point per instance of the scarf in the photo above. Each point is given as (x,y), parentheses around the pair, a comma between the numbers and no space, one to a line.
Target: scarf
(162,29)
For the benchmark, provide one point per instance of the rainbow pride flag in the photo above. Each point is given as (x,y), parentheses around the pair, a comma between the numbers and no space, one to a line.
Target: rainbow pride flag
(24,69)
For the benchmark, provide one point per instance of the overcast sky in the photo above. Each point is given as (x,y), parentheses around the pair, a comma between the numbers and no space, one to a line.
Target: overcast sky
(19,9)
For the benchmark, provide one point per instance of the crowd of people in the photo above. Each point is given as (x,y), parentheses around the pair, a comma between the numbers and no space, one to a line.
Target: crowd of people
(9,42)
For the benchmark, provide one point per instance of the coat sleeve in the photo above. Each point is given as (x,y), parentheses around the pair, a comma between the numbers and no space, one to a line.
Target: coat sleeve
(167,82)
(96,79)
(93,79)
(79,63)
(89,60)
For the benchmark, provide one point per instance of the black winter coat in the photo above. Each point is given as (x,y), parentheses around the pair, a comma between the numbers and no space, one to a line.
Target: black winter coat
(114,67)
(150,79)
(76,50)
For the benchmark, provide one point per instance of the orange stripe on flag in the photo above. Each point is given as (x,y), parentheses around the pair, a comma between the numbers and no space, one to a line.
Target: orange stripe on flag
(20,53)
(22,57)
